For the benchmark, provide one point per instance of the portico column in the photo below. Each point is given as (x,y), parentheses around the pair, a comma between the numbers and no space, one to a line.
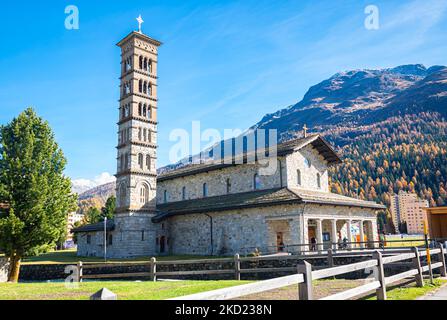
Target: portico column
(362,235)
(334,234)
(319,234)
(349,233)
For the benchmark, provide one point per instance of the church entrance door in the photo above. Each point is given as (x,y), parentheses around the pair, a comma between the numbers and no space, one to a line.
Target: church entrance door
(279,242)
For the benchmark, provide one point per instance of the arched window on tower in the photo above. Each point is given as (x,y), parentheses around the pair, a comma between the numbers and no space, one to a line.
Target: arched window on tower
(140,86)
(318,181)
(139,134)
(128,64)
(126,161)
(165,196)
(145,135)
(149,67)
(298,177)
(140,109)
(149,112)
(228,185)
(149,136)
(123,112)
(145,87)
(140,160)
(149,89)
(144,110)
(122,167)
(145,63)
(148,162)
(184,193)
(141,62)
(144,194)
(122,195)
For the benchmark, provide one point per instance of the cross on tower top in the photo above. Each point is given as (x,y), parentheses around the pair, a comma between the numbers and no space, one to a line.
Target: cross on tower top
(305,128)
(140,22)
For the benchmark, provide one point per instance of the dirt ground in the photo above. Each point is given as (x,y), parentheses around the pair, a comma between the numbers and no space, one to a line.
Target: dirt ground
(322,289)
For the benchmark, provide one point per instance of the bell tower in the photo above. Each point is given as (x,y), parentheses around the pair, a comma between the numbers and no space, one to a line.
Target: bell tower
(137,146)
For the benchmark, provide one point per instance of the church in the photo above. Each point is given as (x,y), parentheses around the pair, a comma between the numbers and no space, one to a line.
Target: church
(216,208)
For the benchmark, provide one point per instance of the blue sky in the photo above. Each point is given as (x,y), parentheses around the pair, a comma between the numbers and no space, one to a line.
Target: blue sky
(223,63)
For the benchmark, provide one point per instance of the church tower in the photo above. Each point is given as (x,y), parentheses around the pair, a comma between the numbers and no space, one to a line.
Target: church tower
(137,147)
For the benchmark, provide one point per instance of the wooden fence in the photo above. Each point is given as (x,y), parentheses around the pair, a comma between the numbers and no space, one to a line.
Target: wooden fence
(306,275)
(152,273)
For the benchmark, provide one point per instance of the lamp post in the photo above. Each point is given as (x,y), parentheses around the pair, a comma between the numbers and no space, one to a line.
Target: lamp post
(105,239)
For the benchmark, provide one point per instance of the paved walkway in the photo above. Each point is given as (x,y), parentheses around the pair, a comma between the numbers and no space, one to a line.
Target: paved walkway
(440,294)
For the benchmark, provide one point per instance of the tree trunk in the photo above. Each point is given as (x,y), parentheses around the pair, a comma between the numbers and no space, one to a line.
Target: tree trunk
(14,269)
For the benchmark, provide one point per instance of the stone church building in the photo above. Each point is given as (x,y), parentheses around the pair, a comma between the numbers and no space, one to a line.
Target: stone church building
(216,208)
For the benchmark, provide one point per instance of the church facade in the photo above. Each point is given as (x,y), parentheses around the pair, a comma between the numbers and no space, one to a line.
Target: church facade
(216,208)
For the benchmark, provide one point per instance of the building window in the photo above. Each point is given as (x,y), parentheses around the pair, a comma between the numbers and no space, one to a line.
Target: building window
(122,195)
(89,239)
(298,177)
(140,86)
(142,235)
(110,240)
(144,110)
(184,193)
(149,112)
(205,190)
(148,162)
(165,196)
(145,135)
(145,87)
(141,62)
(144,192)
(228,186)
(318,180)
(257,182)
(140,160)
(149,67)
(149,89)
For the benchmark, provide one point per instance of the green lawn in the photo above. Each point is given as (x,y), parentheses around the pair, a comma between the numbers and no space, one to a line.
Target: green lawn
(126,290)
(413,292)
(69,257)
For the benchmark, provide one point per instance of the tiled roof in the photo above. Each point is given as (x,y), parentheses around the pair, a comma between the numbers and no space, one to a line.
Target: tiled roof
(284,148)
(259,198)
(95,227)
(311,196)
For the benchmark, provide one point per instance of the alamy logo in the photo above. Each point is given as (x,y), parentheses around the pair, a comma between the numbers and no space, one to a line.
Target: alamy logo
(372,21)
(72,20)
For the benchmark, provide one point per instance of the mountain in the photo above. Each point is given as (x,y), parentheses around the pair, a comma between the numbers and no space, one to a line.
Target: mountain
(389,126)
(362,97)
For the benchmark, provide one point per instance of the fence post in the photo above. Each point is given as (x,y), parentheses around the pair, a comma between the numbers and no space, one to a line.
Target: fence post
(153,270)
(417,263)
(305,289)
(79,271)
(380,276)
(237,267)
(442,259)
(330,258)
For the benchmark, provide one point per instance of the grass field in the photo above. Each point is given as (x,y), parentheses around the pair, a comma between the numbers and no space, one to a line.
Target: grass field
(126,290)
(411,292)
(69,257)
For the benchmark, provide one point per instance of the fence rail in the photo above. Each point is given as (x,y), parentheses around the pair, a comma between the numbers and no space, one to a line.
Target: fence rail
(306,275)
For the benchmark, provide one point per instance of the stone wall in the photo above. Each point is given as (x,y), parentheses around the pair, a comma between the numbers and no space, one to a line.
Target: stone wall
(4,269)
(241,179)
(57,271)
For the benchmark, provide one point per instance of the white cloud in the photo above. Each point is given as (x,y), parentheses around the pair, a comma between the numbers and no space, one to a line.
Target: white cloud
(82,185)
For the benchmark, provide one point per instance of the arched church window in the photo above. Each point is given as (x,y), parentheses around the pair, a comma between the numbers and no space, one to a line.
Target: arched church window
(140,109)
(126,161)
(145,63)
(149,136)
(140,86)
(205,190)
(145,87)
(184,193)
(298,177)
(141,62)
(149,67)
(165,196)
(257,182)
(139,134)
(128,63)
(149,112)
(149,89)
(228,185)
(145,135)
(144,110)
(318,180)
(122,195)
